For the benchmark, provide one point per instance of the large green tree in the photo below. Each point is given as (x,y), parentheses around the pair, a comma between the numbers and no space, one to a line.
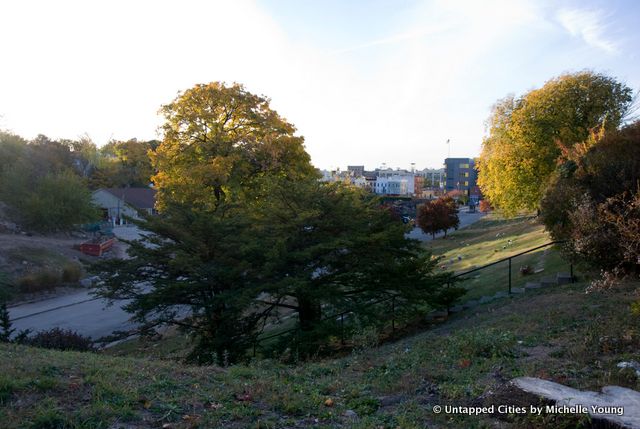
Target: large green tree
(39,183)
(312,249)
(246,229)
(125,164)
(526,134)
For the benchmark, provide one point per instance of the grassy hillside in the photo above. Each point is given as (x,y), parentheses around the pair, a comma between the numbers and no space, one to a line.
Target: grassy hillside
(561,334)
(492,239)
(558,333)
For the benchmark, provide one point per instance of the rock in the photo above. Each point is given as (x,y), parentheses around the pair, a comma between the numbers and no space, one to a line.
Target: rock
(617,405)
(563,278)
(517,290)
(548,281)
(631,364)
(532,285)
(350,414)
(501,294)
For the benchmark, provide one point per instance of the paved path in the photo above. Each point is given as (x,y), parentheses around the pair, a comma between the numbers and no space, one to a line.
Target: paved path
(80,312)
(466,219)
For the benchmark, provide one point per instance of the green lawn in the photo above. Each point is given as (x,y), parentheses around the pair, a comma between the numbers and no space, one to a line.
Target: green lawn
(492,239)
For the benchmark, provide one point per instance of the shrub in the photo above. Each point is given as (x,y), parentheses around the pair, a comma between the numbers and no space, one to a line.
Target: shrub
(594,201)
(43,280)
(7,386)
(60,339)
(71,273)
(492,343)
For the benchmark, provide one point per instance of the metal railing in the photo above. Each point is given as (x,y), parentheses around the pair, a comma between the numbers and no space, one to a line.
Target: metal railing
(394,297)
(509,259)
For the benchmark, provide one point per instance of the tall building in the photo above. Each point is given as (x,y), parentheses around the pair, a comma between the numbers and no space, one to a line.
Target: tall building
(355,170)
(460,173)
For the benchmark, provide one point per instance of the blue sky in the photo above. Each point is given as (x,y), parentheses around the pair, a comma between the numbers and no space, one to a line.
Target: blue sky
(365,82)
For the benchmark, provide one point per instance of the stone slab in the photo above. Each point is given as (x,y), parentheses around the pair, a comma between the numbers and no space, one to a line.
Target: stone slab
(563,278)
(548,281)
(617,405)
(532,285)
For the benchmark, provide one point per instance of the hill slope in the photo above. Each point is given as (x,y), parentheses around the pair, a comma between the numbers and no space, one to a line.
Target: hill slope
(561,334)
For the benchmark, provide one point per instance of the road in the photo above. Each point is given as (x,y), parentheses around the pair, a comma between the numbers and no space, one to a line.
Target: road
(466,219)
(80,312)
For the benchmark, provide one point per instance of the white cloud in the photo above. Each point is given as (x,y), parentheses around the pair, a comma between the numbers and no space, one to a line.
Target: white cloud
(589,25)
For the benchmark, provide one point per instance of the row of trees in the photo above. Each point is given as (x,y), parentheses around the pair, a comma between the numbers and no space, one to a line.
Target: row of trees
(46,183)
(247,230)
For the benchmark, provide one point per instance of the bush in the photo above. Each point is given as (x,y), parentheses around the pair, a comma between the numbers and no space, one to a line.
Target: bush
(71,273)
(57,203)
(60,339)
(492,343)
(594,201)
(43,280)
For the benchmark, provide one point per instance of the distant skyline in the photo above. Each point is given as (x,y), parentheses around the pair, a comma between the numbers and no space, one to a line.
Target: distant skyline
(365,82)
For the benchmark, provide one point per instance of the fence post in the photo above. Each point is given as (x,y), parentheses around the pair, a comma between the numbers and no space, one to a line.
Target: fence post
(571,272)
(509,275)
(393,315)
(342,329)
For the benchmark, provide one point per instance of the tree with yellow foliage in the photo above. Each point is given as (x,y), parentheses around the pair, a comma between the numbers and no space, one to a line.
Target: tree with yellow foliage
(526,135)
(217,139)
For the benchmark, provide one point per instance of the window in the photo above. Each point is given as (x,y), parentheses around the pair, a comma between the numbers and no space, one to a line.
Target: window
(463,166)
(466,183)
(464,174)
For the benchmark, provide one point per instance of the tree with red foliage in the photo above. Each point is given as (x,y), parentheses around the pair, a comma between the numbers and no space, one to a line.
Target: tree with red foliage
(485,206)
(438,215)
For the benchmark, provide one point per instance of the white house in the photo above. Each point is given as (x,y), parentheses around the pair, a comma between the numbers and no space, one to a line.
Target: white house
(118,203)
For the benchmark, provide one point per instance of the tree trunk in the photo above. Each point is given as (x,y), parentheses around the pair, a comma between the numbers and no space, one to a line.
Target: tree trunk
(309,312)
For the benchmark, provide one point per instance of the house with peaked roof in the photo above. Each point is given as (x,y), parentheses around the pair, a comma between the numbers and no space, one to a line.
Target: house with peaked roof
(117,204)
